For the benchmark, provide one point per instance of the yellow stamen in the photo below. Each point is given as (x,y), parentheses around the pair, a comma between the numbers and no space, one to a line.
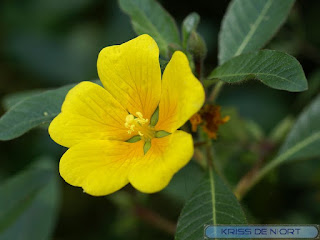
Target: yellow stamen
(139,126)
(140,118)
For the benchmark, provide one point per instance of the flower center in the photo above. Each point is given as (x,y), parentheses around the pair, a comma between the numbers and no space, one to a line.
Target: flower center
(139,125)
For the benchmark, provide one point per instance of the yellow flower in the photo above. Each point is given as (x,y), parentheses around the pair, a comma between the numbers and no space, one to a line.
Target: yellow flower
(96,123)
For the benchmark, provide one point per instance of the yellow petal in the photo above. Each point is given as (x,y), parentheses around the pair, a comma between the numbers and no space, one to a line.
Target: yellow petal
(89,112)
(166,156)
(182,94)
(100,167)
(131,73)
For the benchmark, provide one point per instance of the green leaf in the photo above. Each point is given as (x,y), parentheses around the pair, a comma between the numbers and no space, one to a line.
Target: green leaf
(235,129)
(281,130)
(12,99)
(275,69)
(303,141)
(29,203)
(254,130)
(249,24)
(148,16)
(211,203)
(189,24)
(314,88)
(32,111)
(182,185)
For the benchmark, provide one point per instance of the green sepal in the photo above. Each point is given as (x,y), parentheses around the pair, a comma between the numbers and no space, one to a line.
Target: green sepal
(155,117)
(197,46)
(134,139)
(146,146)
(161,134)
(190,23)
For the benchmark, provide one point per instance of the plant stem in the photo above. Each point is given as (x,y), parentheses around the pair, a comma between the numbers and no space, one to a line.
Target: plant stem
(209,154)
(215,92)
(198,65)
(256,173)
(252,178)
(199,158)
(200,143)
(155,219)
(246,182)
(241,191)
(132,202)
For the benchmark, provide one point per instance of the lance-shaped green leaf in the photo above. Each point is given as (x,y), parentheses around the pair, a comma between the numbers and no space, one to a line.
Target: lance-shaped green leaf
(302,142)
(314,88)
(190,23)
(29,202)
(182,186)
(211,203)
(275,69)
(148,16)
(31,112)
(10,100)
(249,24)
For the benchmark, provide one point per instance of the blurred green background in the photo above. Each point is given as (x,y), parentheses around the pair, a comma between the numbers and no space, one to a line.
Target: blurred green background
(46,44)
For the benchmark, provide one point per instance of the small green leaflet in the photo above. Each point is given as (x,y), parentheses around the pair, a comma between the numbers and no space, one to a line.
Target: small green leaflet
(211,203)
(275,69)
(249,24)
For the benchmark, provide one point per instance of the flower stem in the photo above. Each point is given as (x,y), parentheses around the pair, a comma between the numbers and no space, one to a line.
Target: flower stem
(155,219)
(210,163)
(246,182)
(200,143)
(215,92)
(256,173)
(199,158)
(198,66)
(251,179)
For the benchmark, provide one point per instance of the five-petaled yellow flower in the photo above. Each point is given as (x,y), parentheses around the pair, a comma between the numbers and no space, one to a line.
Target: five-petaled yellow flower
(96,123)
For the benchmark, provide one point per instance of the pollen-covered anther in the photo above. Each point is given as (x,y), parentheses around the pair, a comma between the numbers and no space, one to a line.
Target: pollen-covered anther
(140,118)
(140,126)
(130,123)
